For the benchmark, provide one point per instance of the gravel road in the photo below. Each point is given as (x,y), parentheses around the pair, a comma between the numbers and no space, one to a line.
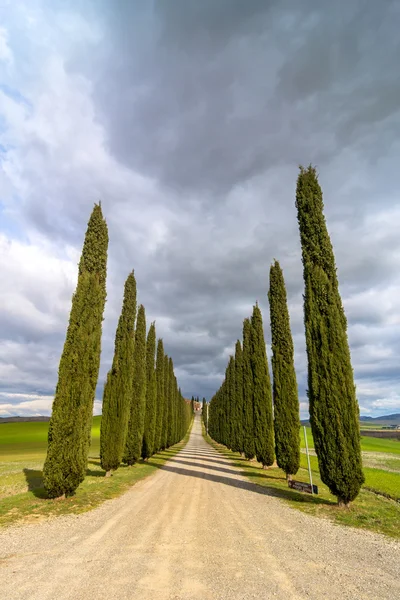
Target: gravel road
(195,530)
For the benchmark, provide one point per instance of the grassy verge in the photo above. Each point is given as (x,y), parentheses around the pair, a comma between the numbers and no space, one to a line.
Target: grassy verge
(22,470)
(368,511)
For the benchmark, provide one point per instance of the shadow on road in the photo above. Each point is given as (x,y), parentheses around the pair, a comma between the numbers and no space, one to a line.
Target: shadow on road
(202,464)
(257,488)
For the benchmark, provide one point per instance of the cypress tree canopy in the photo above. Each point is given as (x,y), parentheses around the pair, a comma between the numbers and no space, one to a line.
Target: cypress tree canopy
(285,395)
(262,395)
(151,394)
(160,393)
(134,438)
(171,415)
(204,413)
(248,407)
(70,423)
(164,435)
(334,413)
(118,388)
(237,444)
(230,404)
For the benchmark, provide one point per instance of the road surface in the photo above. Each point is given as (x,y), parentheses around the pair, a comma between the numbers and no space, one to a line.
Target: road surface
(196,529)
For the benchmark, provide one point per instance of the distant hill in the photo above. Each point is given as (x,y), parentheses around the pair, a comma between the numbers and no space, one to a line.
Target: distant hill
(23,419)
(384,420)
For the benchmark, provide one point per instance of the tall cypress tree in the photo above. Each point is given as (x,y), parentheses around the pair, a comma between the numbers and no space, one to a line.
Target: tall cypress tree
(248,408)
(237,445)
(171,389)
(204,412)
(284,391)
(164,436)
(151,395)
(160,393)
(334,412)
(70,423)
(231,404)
(262,394)
(138,404)
(117,394)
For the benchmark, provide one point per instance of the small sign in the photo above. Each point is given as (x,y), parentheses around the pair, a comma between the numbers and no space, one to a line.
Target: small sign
(303,487)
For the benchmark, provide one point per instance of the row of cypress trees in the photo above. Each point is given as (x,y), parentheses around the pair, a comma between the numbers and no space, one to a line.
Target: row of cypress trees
(143,408)
(241,411)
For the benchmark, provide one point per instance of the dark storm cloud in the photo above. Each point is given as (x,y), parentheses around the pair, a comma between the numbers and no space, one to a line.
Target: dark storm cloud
(207,95)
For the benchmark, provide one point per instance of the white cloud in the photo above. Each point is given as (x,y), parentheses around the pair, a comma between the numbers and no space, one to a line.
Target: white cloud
(36,286)
(31,405)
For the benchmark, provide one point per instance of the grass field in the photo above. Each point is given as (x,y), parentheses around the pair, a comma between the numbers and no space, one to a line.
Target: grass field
(22,453)
(376,508)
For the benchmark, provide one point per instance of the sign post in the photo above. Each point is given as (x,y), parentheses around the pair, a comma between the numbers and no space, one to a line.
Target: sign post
(308,460)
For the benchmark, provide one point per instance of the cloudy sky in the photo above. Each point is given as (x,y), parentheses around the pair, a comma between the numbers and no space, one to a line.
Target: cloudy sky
(188,119)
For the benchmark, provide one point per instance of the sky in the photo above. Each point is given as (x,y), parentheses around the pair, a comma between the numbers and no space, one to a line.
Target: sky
(188,120)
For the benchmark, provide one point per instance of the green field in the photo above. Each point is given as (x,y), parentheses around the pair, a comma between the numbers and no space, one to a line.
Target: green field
(22,453)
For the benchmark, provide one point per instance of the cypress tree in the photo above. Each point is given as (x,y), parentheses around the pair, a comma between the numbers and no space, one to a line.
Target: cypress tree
(334,412)
(231,404)
(248,409)
(176,411)
(263,421)
(237,445)
(204,413)
(284,390)
(160,393)
(138,404)
(118,388)
(164,436)
(70,423)
(151,395)
(171,389)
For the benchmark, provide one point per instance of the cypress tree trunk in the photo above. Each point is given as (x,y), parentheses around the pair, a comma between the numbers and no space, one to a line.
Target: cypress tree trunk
(238,443)
(160,393)
(334,412)
(151,394)
(164,436)
(138,405)
(263,422)
(117,394)
(248,408)
(285,395)
(70,423)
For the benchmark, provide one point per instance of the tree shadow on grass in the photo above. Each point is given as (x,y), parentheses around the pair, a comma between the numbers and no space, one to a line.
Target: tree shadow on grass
(34,480)
(93,473)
